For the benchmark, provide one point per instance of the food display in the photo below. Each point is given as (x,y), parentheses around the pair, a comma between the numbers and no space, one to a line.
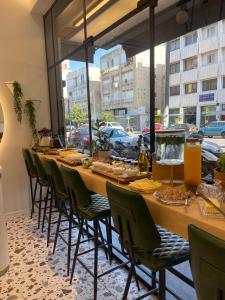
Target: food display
(122,170)
(174,196)
(68,152)
(72,159)
(145,185)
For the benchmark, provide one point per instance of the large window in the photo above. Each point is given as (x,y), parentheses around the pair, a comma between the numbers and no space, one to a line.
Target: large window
(175,68)
(209,85)
(190,63)
(175,90)
(174,45)
(190,88)
(191,38)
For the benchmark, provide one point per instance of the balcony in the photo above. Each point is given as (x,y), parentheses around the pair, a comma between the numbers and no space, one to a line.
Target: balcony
(208,71)
(189,76)
(222,40)
(221,70)
(175,55)
(189,51)
(174,101)
(208,45)
(189,100)
(174,79)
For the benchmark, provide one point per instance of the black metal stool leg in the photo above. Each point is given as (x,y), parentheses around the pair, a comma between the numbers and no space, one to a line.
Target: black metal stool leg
(49,220)
(162,285)
(45,209)
(128,282)
(57,229)
(96,228)
(69,241)
(33,195)
(40,207)
(153,280)
(102,240)
(109,238)
(76,250)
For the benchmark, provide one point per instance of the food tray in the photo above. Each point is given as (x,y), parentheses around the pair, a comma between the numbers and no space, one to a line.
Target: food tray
(172,202)
(118,177)
(201,206)
(70,163)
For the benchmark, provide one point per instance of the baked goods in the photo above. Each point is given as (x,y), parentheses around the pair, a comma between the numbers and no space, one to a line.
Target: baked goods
(145,185)
(176,196)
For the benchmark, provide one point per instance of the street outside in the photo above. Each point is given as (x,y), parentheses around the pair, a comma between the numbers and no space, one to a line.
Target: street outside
(219,141)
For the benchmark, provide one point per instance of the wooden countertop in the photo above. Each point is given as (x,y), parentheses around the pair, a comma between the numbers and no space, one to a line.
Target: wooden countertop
(174,218)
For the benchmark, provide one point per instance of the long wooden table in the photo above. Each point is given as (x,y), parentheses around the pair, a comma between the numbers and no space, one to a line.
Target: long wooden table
(174,218)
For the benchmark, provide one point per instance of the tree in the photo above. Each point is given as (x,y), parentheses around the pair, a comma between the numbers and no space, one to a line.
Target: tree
(107,116)
(78,115)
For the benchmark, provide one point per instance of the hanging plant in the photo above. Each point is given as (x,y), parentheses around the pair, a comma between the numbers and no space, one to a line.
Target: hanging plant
(18,95)
(29,110)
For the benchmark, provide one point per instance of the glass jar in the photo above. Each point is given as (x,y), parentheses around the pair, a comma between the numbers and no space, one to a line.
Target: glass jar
(170,145)
(192,162)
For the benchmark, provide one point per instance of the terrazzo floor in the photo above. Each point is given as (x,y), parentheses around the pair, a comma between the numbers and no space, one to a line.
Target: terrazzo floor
(35,273)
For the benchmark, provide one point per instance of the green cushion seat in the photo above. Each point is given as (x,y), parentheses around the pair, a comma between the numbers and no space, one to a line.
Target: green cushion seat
(90,206)
(172,250)
(98,208)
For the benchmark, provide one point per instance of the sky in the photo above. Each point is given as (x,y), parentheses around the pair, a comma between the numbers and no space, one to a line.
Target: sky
(159,57)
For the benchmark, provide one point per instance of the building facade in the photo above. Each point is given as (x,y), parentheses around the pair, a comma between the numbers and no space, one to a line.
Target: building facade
(125,87)
(77,90)
(196,82)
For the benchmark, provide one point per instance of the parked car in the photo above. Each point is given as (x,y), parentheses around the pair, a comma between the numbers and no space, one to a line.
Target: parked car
(158,126)
(119,135)
(114,125)
(216,128)
(188,128)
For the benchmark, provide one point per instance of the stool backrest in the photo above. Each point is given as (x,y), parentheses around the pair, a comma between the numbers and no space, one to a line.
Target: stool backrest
(132,219)
(207,264)
(76,188)
(31,170)
(39,167)
(54,176)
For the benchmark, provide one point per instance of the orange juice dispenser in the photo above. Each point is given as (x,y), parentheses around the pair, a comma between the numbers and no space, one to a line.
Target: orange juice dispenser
(192,162)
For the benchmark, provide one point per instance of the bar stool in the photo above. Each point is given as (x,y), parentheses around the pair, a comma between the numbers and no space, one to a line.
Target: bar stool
(148,244)
(90,207)
(207,264)
(43,183)
(59,195)
(32,173)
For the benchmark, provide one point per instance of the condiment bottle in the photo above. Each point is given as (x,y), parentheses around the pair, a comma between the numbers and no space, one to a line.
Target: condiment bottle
(143,163)
(192,161)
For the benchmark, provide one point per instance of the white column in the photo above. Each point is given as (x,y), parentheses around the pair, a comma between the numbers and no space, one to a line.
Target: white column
(4,252)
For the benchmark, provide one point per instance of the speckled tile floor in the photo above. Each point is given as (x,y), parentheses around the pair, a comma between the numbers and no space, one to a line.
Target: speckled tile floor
(36,274)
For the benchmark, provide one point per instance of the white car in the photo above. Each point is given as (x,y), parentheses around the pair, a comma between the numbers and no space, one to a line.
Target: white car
(113,125)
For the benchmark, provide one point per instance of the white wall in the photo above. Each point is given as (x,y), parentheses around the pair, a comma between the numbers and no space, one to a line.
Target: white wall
(22,58)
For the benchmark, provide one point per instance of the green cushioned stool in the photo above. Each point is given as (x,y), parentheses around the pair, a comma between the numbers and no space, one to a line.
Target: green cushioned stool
(90,207)
(61,199)
(32,173)
(207,264)
(147,243)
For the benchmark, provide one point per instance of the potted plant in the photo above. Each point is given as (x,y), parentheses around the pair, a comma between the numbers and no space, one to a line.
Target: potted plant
(219,172)
(102,146)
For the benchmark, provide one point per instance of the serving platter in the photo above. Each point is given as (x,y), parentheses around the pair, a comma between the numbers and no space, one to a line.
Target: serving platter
(119,178)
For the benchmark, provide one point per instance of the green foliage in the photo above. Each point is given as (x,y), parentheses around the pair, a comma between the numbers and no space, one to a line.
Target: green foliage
(29,110)
(221,163)
(78,115)
(102,143)
(18,95)
(107,116)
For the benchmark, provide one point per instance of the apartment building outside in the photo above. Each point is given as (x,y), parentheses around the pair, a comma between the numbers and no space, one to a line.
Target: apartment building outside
(125,87)
(77,90)
(196,81)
